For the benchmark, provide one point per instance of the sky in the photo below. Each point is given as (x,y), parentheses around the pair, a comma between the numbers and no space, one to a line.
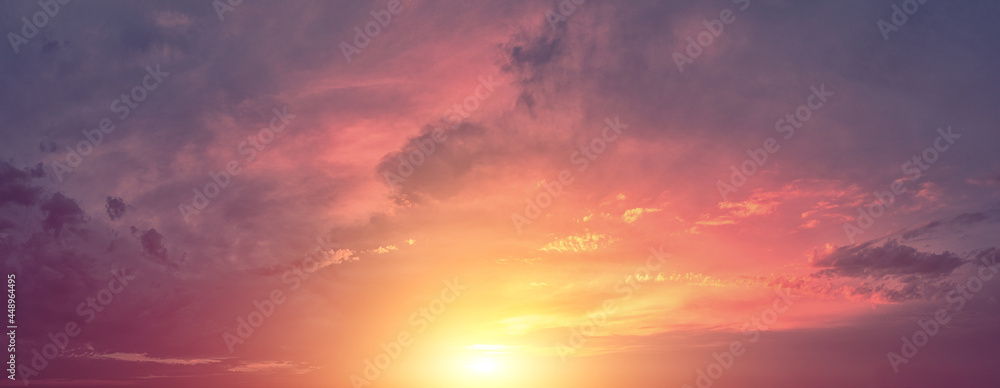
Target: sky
(574,193)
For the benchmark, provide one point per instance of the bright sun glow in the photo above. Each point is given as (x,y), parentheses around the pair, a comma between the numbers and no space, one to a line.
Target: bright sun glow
(483,365)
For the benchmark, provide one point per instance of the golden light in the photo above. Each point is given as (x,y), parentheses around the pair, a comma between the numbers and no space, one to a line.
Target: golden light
(453,363)
(483,365)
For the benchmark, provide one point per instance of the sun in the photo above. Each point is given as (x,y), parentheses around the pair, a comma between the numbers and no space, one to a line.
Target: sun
(483,365)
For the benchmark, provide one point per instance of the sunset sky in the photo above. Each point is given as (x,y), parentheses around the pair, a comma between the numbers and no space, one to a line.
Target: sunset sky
(550,194)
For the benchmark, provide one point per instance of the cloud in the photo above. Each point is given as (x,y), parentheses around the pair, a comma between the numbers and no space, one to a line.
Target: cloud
(990,180)
(61,212)
(143,357)
(587,242)
(16,187)
(152,245)
(385,249)
(271,366)
(115,208)
(962,221)
(632,215)
(889,259)
(758,205)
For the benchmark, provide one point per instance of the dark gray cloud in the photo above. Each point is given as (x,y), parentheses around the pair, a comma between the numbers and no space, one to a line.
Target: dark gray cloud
(152,245)
(961,221)
(902,266)
(16,186)
(61,212)
(115,207)
(889,259)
